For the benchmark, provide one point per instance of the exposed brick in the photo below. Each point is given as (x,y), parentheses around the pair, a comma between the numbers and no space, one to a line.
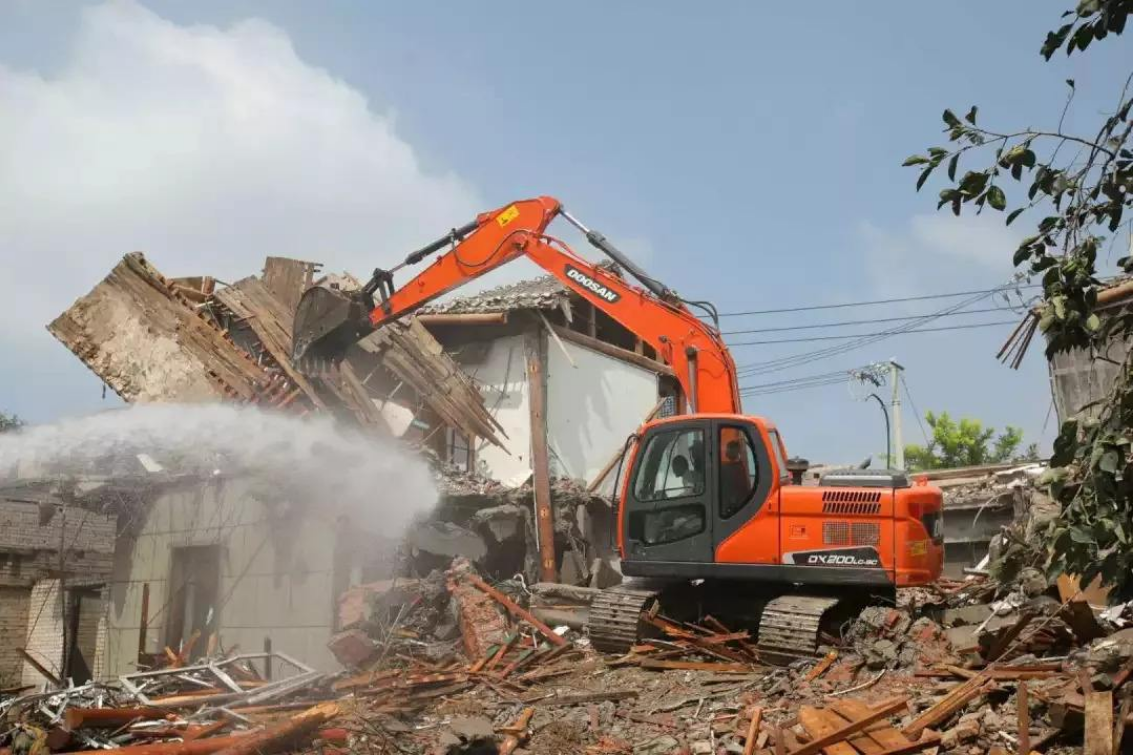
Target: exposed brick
(44,630)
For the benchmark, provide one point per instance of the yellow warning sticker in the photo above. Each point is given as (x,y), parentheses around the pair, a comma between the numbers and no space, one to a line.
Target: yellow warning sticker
(918,548)
(508,215)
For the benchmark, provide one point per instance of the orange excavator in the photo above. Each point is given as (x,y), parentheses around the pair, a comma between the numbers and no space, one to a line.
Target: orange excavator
(709,518)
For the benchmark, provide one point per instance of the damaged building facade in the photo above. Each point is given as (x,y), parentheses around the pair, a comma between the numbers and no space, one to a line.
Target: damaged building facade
(521,396)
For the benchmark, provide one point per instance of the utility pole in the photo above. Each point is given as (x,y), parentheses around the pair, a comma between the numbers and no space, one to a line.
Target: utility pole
(895,371)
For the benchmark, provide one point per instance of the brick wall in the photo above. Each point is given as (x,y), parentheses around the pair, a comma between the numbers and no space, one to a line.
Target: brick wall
(13,631)
(44,630)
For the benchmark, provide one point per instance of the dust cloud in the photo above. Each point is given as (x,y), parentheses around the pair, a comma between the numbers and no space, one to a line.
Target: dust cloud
(311,461)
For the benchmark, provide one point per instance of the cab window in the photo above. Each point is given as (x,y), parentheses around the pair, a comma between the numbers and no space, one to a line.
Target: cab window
(739,472)
(777,449)
(672,466)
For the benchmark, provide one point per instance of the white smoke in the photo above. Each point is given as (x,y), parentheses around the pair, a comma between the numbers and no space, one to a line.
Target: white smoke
(310,461)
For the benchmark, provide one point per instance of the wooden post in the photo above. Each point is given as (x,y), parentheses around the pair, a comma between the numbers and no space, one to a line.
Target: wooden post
(540,463)
(1024,704)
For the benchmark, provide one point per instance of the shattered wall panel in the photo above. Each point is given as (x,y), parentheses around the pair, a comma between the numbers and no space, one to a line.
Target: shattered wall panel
(501,375)
(149,344)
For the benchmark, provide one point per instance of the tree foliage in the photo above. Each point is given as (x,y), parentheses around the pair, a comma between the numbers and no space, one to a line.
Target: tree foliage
(1079,186)
(10,422)
(962,444)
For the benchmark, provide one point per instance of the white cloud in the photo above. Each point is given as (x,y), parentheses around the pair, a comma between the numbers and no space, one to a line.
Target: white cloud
(981,239)
(933,250)
(207,148)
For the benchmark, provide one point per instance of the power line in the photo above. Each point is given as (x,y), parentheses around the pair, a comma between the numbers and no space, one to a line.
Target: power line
(871,321)
(916,411)
(870,335)
(898,300)
(865,372)
(806,357)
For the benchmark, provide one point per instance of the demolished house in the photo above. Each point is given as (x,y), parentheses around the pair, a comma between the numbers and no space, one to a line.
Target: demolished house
(208,553)
(233,607)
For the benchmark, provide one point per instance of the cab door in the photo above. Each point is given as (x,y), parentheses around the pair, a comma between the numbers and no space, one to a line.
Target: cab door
(746,512)
(669,512)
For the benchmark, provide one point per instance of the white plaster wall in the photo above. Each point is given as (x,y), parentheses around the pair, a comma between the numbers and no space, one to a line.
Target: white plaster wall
(276,571)
(592,407)
(502,379)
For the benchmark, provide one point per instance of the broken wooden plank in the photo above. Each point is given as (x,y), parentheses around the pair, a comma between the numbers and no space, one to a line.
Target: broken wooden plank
(820,668)
(1098,739)
(884,710)
(268,318)
(753,730)
(818,725)
(516,733)
(883,734)
(947,706)
(287,279)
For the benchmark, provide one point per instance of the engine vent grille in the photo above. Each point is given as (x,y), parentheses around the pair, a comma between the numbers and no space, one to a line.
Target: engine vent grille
(847,533)
(851,502)
(865,533)
(835,533)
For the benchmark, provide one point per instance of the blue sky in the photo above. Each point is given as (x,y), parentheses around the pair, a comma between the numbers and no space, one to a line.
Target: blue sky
(745,153)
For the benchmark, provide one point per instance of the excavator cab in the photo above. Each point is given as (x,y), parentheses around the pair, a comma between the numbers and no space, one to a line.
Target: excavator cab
(691,483)
(710,521)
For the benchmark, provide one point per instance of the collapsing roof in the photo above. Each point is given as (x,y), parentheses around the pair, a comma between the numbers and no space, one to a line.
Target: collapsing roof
(151,338)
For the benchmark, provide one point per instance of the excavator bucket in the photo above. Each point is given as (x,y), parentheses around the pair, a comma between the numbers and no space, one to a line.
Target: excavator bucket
(327,322)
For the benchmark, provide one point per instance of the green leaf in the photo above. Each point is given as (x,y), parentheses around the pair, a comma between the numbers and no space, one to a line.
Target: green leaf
(1082,38)
(1093,323)
(924,176)
(1027,159)
(914,160)
(971,116)
(950,119)
(1011,218)
(996,198)
(1054,40)
(955,161)
(973,182)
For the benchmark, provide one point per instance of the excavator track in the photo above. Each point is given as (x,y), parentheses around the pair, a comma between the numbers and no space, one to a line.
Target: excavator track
(615,616)
(789,624)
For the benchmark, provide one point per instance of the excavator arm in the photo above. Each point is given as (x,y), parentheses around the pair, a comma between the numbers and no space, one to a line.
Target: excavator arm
(326,322)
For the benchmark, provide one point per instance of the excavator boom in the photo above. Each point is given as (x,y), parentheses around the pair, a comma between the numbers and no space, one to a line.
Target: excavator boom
(329,321)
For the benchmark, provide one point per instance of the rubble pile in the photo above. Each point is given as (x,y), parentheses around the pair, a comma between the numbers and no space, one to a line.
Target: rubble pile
(454,662)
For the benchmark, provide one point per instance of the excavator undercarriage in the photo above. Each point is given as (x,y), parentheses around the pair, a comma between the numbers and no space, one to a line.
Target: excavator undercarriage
(786,627)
